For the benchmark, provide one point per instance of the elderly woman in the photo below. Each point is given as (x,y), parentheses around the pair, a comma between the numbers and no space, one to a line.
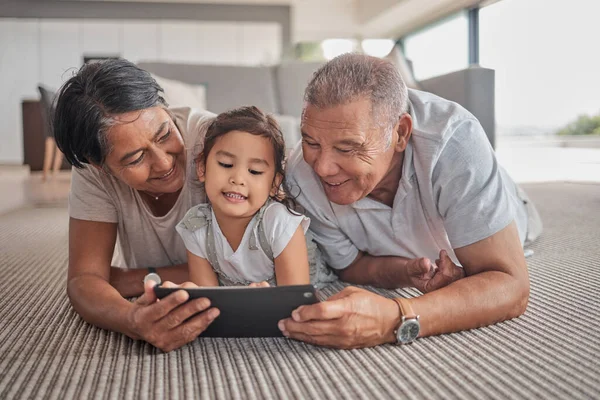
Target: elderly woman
(133,181)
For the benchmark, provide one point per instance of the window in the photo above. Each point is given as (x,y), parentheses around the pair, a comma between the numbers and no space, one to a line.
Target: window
(439,48)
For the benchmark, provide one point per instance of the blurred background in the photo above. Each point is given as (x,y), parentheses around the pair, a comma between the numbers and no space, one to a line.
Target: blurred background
(526,68)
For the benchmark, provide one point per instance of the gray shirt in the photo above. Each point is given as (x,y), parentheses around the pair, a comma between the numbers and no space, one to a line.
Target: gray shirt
(452,193)
(143,240)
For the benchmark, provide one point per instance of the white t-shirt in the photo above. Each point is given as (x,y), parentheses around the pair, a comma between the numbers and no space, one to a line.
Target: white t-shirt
(452,193)
(143,240)
(245,264)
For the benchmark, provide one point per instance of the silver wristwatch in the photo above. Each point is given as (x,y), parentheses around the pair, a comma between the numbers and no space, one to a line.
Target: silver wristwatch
(409,327)
(152,276)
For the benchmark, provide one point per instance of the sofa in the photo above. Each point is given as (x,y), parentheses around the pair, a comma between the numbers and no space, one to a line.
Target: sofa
(280,89)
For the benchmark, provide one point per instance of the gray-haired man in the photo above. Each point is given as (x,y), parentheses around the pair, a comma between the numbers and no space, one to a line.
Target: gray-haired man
(392,178)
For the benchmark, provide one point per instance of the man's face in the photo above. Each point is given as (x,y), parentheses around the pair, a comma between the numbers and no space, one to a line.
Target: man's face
(346,149)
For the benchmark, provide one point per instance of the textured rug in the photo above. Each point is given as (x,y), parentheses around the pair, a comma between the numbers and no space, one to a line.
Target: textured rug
(553,351)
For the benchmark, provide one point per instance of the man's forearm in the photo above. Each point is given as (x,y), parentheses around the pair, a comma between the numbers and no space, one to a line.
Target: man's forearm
(99,304)
(130,282)
(383,272)
(478,300)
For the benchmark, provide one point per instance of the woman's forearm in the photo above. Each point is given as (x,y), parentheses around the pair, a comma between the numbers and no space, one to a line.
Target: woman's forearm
(99,304)
(130,282)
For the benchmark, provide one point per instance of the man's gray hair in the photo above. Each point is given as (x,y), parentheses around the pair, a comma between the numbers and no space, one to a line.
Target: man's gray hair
(352,76)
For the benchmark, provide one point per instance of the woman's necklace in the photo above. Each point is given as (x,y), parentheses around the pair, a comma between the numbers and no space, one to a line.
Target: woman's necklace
(154,196)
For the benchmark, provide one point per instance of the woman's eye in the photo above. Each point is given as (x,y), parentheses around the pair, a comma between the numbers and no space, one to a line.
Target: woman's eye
(165,136)
(137,160)
(255,172)
(225,165)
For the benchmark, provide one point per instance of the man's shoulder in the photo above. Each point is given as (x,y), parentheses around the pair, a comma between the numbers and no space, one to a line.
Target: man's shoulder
(435,118)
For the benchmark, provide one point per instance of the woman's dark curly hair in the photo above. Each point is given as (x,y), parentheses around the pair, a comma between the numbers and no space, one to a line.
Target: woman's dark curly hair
(88,102)
(252,120)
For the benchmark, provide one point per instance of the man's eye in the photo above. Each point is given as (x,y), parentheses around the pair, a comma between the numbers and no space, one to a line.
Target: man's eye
(165,136)
(137,160)
(310,144)
(344,150)
(225,165)
(255,172)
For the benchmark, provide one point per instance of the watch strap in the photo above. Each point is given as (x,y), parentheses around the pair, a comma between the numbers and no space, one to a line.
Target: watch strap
(406,309)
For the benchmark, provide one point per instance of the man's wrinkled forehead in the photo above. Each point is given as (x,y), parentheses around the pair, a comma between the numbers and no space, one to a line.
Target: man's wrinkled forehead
(355,116)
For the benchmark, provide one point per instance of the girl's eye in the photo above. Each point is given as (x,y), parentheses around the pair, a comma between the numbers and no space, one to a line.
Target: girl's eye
(137,160)
(255,172)
(165,136)
(225,165)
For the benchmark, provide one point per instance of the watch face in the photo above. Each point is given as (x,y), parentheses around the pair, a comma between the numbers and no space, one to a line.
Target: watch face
(408,331)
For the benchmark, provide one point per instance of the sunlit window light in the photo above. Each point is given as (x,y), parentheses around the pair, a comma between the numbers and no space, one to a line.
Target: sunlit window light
(377,47)
(335,47)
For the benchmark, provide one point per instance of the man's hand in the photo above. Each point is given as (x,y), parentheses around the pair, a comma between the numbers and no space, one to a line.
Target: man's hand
(427,277)
(169,323)
(352,318)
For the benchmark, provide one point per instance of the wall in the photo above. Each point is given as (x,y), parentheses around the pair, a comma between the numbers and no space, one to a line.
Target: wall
(47,51)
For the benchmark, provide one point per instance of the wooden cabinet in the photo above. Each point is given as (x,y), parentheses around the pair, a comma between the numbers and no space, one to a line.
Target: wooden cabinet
(34,137)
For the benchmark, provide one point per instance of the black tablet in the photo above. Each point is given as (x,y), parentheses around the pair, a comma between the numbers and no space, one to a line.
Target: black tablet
(249,312)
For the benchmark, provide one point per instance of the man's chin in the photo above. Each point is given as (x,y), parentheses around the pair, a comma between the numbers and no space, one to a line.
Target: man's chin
(340,199)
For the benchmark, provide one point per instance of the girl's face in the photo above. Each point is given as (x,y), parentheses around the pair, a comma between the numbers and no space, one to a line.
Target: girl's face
(147,151)
(239,174)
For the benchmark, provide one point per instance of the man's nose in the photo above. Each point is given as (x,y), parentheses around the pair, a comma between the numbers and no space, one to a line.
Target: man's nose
(325,165)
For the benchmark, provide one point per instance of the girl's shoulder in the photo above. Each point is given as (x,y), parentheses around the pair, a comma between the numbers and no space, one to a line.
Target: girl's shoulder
(196,218)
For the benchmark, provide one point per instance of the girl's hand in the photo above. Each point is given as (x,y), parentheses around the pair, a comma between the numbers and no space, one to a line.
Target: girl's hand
(259,284)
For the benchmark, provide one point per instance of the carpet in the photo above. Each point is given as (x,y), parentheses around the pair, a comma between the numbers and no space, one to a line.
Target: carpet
(553,351)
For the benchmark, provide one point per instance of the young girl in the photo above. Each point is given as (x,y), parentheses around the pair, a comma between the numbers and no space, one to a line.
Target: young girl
(247,233)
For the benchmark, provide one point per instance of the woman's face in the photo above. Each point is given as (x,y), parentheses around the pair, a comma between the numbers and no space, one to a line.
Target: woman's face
(147,151)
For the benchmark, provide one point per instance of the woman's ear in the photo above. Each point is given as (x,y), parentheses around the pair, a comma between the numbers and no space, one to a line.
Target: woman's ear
(276,184)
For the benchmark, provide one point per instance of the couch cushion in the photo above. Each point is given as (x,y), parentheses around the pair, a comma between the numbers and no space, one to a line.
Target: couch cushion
(292,79)
(227,87)
(181,94)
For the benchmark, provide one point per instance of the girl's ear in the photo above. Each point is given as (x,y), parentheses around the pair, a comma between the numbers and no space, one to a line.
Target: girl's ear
(200,168)
(276,184)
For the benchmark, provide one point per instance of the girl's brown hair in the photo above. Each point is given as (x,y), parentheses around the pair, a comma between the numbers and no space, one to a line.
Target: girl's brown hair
(252,120)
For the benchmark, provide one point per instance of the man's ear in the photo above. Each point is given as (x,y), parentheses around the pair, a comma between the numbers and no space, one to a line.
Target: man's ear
(276,184)
(201,168)
(404,130)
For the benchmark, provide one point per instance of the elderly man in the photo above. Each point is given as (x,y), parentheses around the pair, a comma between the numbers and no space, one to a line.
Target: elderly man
(393,178)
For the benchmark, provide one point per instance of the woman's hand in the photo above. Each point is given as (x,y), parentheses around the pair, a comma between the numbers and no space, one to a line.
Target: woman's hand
(169,323)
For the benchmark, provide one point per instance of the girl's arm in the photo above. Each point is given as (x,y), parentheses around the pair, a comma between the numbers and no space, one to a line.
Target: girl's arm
(201,272)
(291,266)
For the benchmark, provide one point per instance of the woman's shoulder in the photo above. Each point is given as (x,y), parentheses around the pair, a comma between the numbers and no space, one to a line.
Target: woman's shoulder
(192,123)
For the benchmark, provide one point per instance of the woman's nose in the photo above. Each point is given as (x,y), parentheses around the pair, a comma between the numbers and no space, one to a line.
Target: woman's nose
(163,160)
